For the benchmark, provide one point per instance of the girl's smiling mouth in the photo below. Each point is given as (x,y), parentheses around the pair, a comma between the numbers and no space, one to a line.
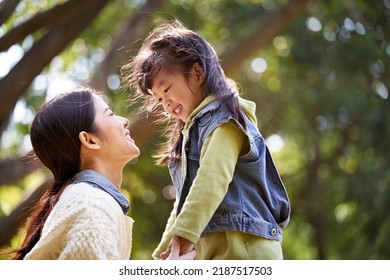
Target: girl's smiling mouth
(178,109)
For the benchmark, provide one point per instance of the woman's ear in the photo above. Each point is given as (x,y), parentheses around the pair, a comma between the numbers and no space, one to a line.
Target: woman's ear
(89,141)
(197,71)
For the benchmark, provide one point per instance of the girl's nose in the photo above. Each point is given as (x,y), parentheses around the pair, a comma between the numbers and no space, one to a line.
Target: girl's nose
(166,105)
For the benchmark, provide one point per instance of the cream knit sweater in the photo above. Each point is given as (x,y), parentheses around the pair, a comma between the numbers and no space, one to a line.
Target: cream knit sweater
(85,224)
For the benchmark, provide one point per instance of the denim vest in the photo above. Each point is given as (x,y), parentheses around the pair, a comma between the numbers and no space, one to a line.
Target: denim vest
(256,201)
(99,181)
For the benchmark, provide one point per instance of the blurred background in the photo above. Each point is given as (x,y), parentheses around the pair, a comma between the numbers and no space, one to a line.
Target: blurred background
(317,70)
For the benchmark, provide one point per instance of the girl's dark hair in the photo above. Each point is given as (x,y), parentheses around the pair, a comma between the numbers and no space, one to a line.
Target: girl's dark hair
(54,136)
(174,48)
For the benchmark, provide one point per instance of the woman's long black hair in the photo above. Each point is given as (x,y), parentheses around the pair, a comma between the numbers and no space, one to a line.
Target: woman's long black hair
(54,136)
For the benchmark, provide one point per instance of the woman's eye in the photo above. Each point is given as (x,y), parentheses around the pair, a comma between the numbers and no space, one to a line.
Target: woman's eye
(167,89)
(159,100)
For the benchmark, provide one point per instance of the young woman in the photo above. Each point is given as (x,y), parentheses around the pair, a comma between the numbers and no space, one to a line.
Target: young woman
(230,200)
(82,215)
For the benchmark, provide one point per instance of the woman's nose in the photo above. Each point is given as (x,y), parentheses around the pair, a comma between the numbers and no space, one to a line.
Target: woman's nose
(125,122)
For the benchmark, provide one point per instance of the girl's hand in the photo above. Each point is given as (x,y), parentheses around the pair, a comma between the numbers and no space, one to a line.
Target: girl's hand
(179,249)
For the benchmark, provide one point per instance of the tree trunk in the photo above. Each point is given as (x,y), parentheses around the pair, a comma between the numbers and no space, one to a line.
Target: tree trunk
(40,20)
(7,7)
(15,84)
(125,44)
(12,170)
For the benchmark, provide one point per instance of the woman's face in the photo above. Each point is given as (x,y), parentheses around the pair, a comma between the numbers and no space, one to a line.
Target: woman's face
(116,143)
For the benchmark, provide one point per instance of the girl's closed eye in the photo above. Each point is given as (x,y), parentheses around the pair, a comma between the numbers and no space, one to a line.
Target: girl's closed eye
(167,89)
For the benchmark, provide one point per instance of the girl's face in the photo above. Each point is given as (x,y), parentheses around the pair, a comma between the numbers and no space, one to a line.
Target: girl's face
(116,143)
(179,96)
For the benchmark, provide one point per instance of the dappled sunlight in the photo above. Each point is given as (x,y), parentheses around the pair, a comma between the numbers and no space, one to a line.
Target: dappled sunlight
(330,31)
(313,24)
(113,82)
(9,58)
(286,155)
(259,65)
(274,142)
(343,211)
(348,165)
(169,192)
(149,196)
(9,198)
(282,46)
(381,89)
(12,195)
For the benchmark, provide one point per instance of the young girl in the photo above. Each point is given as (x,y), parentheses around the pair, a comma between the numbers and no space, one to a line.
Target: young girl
(230,201)
(82,215)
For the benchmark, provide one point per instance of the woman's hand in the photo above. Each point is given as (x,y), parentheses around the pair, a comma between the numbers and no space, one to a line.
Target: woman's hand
(179,249)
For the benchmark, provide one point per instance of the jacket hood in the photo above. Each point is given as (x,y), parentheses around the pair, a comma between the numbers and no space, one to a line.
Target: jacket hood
(249,108)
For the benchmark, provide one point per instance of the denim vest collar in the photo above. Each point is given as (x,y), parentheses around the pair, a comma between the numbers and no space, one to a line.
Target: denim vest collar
(207,105)
(99,181)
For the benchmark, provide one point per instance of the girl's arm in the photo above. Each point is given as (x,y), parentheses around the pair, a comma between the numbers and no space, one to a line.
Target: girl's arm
(167,235)
(218,159)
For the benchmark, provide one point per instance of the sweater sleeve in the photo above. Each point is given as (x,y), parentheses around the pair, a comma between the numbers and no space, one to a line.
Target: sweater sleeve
(217,162)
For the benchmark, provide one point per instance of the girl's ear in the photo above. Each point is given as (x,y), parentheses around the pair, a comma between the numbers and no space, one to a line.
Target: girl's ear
(197,71)
(89,141)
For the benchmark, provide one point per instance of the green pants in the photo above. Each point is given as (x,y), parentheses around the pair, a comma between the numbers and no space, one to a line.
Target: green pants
(235,245)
